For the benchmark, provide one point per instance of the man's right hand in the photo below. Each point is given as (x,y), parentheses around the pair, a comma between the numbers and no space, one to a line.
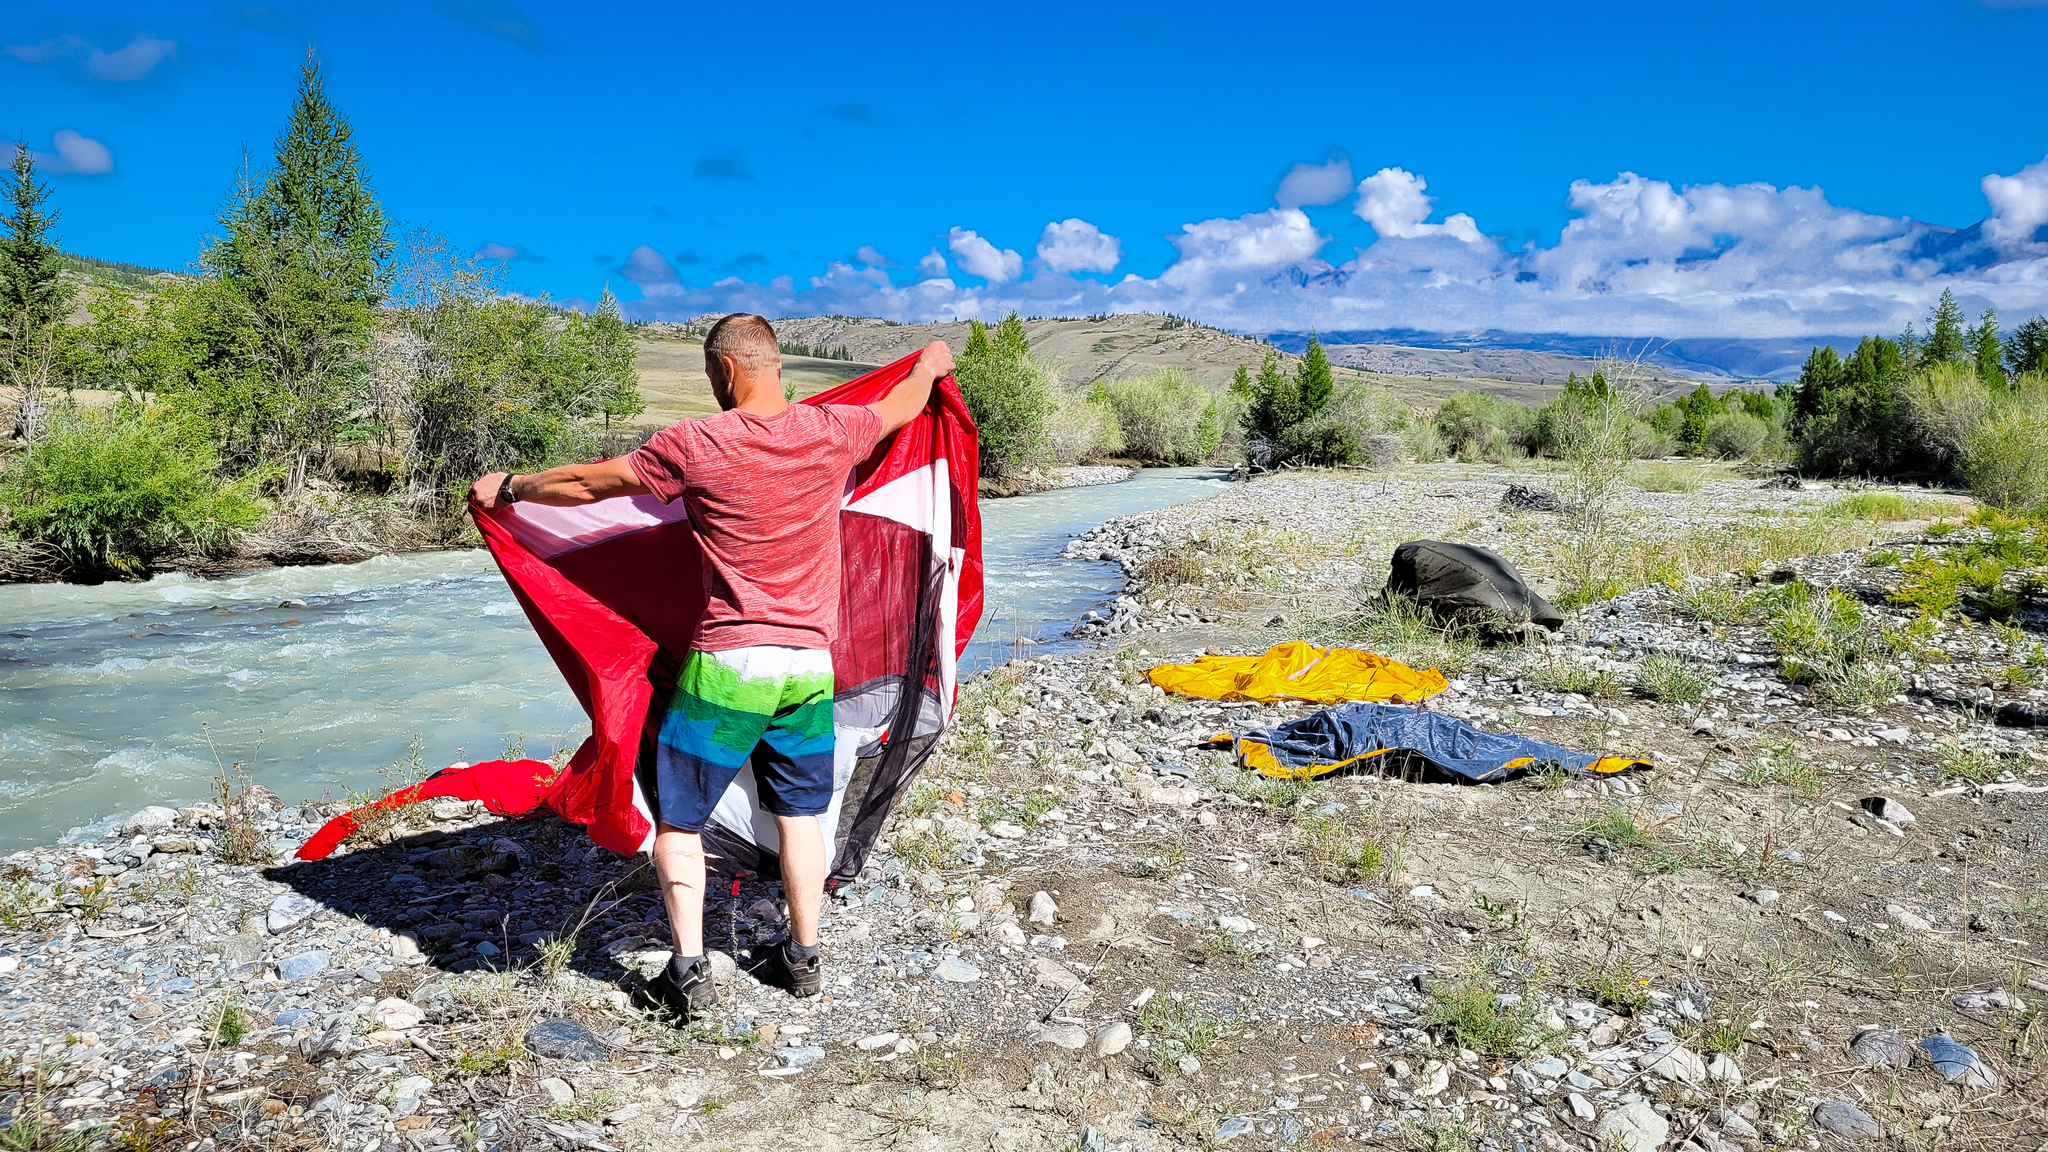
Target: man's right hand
(936,358)
(484,493)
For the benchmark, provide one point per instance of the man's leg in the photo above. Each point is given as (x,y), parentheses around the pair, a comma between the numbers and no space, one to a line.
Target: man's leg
(803,874)
(679,862)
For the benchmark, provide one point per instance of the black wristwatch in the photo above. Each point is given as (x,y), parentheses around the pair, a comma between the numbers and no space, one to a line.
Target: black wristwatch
(505,493)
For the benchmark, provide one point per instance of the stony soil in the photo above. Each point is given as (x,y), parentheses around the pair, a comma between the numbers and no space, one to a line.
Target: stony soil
(1085,931)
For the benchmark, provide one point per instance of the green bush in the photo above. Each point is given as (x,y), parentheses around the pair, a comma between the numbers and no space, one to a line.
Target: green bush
(1996,437)
(1476,425)
(1011,394)
(111,493)
(1165,416)
(1083,428)
(1736,435)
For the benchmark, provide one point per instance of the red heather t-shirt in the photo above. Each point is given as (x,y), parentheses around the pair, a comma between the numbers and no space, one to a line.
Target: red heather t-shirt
(763,495)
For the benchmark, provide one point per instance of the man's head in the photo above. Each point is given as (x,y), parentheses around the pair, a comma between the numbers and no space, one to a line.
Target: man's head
(741,358)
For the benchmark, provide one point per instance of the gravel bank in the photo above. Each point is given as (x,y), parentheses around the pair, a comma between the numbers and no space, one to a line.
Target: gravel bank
(1809,925)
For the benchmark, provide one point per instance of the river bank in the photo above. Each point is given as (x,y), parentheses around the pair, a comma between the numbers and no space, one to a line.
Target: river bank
(1087,932)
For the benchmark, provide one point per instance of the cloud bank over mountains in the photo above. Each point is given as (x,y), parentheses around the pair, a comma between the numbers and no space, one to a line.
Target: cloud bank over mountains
(1639,257)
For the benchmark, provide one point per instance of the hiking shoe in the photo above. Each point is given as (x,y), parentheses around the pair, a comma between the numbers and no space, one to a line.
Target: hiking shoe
(799,976)
(684,988)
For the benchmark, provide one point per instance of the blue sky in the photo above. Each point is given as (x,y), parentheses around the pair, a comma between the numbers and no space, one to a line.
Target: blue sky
(1607,168)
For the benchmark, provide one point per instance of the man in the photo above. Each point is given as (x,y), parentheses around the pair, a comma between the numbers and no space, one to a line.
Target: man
(762,481)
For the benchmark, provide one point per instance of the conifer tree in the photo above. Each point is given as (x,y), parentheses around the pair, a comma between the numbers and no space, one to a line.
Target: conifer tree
(302,265)
(1241,382)
(33,294)
(1313,381)
(1946,338)
(1986,349)
(2026,350)
(1010,338)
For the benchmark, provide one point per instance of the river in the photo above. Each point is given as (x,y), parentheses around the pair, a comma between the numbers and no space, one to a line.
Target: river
(114,696)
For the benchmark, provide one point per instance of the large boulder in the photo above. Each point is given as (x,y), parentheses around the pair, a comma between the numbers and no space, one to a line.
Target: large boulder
(1464,581)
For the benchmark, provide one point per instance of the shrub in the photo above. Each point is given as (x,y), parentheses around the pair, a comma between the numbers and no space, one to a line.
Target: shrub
(1165,416)
(112,492)
(1736,435)
(1673,679)
(1474,424)
(1011,394)
(1082,428)
(1996,437)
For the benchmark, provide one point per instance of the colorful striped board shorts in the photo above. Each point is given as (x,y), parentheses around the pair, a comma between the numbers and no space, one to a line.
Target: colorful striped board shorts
(768,704)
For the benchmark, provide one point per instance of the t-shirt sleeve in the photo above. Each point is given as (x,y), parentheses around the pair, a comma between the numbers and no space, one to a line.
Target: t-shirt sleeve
(660,463)
(860,429)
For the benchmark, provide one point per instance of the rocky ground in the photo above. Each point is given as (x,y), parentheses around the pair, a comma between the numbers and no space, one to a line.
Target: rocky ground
(1815,924)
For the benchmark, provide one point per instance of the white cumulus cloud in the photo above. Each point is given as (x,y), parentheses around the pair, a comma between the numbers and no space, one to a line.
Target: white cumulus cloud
(1640,257)
(2019,207)
(978,257)
(1315,183)
(649,270)
(76,155)
(1391,200)
(872,256)
(1075,245)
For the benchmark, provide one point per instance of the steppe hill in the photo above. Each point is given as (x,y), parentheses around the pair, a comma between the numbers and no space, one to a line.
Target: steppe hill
(1105,348)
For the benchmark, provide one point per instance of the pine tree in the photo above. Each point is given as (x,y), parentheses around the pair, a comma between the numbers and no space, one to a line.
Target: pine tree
(32,290)
(33,294)
(1241,382)
(2026,350)
(1010,338)
(301,264)
(1313,381)
(1946,337)
(1986,349)
(609,356)
(1275,407)
(977,345)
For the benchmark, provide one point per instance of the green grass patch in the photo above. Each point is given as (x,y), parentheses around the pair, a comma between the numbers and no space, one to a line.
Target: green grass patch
(1781,764)
(1467,1014)
(1673,679)
(1886,507)
(1618,985)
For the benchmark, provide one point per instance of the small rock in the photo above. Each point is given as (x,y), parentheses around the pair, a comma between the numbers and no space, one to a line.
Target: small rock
(954,970)
(560,1038)
(1071,1036)
(397,1014)
(1733,1124)
(287,911)
(1881,1048)
(1633,1127)
(1581,1107)
(1235,1126)
(800,1056)
(1092,1140)
(723,967)
(332,1042)
(1189,1065)
(1958,1062)
(303,966)
(558,1090)
(1236,925)
(1765,896)
(878,1040)
(1676,1063)
(1549,1067)
(1040,909)
(1112,1039)
(1004,830)
(1009,933)
(295,1018)
(1434,1078)
(1886,808)
(9,963)
(1907,919)
(403,946)
(149,821)
(1723,1069)
(1846,1120)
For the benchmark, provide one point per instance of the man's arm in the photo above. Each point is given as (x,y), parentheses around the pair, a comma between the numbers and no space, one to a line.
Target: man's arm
(567,485)
(908,398)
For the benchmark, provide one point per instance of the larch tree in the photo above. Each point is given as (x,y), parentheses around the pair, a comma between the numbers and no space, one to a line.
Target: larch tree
(1947,338)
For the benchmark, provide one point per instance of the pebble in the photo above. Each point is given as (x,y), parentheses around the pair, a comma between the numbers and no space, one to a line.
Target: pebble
(288,911)
(1676,1063)
(1633,1127)
(1111,1039)
(149,821)
(558,1090)
(1581,1107)
(1846,1120)
(954,970)
(1071,1036)
(1236,925)
(398,1014)
(1886,808)
(303,966)
(800,1056)
(561,1038)
(1232,1128)
(878,1040)
(1040,909)
(1907,919)
(1958,1062)
(1765,896)
(1881,1048)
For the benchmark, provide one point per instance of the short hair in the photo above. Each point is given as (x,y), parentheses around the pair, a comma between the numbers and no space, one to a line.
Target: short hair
(747,338)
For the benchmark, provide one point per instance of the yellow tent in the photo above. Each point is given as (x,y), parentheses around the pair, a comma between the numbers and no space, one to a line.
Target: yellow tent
(1300,671)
